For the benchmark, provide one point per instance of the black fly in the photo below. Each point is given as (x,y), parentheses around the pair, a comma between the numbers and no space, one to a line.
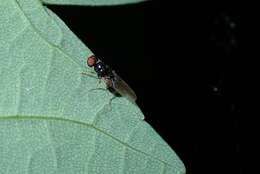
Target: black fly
(114,82)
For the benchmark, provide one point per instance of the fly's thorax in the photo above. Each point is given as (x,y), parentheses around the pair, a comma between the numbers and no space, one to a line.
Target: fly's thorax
(101,69)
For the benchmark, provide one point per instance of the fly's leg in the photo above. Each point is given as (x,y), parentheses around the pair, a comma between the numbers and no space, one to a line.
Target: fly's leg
(111,90)
(89,73)
(93,75)
(110,99)
(98,86)
(110,102)
(108,86)
(105,109)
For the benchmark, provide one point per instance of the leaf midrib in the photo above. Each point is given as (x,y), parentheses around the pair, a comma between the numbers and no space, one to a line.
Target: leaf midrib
(17,117)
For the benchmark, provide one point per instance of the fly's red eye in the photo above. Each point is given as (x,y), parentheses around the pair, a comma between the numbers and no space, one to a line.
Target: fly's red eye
(92,60)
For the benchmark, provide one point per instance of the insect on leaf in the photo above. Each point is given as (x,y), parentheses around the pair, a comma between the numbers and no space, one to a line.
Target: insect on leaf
(53,119)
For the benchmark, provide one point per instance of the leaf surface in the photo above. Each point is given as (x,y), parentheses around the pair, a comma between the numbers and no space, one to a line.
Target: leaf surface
(55,120)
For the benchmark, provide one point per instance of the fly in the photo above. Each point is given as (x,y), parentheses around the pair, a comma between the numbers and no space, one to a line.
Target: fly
(114,82)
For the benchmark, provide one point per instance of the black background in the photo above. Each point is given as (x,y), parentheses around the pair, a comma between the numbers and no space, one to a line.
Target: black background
(183,63)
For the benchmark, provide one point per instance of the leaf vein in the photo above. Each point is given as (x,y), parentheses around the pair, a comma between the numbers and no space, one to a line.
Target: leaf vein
(40,35)
(84,124)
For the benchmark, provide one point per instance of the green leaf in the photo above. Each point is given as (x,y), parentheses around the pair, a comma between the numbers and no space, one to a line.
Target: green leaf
(55,120)
(91,2)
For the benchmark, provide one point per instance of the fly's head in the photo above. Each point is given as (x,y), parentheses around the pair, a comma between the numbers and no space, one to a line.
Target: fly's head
(100,67)
(92,60)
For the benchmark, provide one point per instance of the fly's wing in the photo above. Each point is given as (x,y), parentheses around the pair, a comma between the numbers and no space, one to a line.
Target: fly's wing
(123,89)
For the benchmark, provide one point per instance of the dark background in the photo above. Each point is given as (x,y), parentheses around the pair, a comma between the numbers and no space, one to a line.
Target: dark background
(183,63)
